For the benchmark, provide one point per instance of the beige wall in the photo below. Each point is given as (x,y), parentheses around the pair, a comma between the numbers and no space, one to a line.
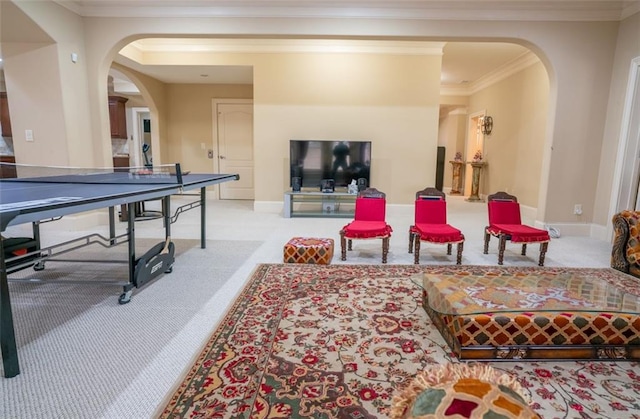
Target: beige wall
(357,97)
(49,96)
(514,150)
(154,95)
(189,122)
(628,48)
(579,57)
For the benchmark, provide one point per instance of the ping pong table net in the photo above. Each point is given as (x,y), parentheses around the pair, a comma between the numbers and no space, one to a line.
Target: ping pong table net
(161,174)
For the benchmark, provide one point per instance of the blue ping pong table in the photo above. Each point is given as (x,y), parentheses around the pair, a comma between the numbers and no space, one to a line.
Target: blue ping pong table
(46,198)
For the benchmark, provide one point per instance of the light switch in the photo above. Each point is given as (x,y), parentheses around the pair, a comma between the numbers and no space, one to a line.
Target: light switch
(28,135)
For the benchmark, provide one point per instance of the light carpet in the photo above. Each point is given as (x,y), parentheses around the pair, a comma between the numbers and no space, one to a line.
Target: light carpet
(81,352)
(339,341)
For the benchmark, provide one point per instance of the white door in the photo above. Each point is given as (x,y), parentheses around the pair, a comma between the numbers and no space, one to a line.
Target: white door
(235,148)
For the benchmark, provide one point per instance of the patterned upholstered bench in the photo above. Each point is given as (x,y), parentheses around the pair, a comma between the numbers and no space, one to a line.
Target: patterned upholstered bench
(308,250)
(536,313)
(625,254)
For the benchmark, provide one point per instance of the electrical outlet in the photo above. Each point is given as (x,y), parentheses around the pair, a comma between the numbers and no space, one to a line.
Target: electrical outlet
(577,209)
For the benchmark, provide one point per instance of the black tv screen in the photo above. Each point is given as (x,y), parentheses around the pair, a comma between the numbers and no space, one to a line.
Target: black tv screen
(343,161)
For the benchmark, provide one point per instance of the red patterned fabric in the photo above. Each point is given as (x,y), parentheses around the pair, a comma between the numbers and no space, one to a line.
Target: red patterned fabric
(430,211)
(367,229)
(520,233)
(504,212)
(438,233)
(308,250)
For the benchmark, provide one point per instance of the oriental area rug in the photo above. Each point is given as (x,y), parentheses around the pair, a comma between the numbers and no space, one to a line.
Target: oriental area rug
(323,341)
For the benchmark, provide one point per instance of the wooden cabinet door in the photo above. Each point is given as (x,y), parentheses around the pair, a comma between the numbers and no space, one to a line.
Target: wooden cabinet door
(5,119)
(117,116)
(7,171)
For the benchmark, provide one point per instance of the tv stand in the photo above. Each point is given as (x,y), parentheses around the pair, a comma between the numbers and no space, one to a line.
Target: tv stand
(319,204)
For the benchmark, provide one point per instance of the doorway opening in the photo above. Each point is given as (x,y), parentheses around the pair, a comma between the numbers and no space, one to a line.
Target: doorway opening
(474,146)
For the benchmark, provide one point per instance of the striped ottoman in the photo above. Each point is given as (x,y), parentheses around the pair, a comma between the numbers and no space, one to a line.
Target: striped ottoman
(308,250)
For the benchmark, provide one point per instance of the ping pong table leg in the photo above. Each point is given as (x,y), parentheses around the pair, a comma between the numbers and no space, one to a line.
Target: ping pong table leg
(125,297)
(7,333)
(166,212)
(203,218)
(112,224)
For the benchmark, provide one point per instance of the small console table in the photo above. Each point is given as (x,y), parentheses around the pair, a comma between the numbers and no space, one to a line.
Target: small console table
(319,204)
(456,182)
(475,181)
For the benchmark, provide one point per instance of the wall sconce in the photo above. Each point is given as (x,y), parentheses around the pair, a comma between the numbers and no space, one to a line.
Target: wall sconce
(486,125)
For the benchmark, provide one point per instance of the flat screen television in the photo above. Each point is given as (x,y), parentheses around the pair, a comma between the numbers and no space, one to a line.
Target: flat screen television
(340,160)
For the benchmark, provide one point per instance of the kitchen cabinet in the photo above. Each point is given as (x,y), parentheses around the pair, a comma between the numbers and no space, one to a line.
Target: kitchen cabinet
(5,120)
(7,171)
(117,116)
(120,162)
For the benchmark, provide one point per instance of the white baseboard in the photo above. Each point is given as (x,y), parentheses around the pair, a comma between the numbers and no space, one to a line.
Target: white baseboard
(568,229)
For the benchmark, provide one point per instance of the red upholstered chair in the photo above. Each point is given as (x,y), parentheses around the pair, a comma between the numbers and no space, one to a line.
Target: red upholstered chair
(505,224)
(369,222)
(430,224)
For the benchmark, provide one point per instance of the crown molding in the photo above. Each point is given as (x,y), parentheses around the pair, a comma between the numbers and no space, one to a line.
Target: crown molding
(630,8)
(488,10)
(153,45)
(525,60)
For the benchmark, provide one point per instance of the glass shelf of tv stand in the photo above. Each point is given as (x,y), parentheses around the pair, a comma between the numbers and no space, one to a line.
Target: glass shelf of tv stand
(338,204)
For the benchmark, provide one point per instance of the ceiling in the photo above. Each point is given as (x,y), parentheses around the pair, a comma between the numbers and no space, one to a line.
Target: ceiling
(558,10)
(463,63)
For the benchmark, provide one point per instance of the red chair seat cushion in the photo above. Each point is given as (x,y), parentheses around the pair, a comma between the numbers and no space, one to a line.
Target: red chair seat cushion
(520,233)
(367,229)
(438,233)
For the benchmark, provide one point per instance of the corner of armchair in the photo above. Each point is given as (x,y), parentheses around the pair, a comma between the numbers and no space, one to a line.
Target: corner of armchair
(625,254)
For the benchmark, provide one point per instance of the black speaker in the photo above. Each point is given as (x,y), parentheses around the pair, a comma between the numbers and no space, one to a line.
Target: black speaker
(362,184)
(296,183)
(327,185)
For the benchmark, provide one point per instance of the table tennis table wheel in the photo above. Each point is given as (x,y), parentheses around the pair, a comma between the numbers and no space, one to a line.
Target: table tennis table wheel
(125,297)
(39,266)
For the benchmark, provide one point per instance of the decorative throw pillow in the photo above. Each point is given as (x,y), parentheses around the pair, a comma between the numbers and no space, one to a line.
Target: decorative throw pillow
(462,391)
(633,244)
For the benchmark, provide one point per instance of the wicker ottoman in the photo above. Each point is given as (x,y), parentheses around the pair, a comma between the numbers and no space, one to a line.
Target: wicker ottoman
(308,250)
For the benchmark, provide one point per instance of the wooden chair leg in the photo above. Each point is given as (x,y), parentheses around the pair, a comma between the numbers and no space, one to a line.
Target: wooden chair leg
(524,250)
(349,244)
(487,236)
(543,252)
(449,248)
(385,249)
(459,255)
(416,246)
(503,243)
(343,250)
(410,241)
